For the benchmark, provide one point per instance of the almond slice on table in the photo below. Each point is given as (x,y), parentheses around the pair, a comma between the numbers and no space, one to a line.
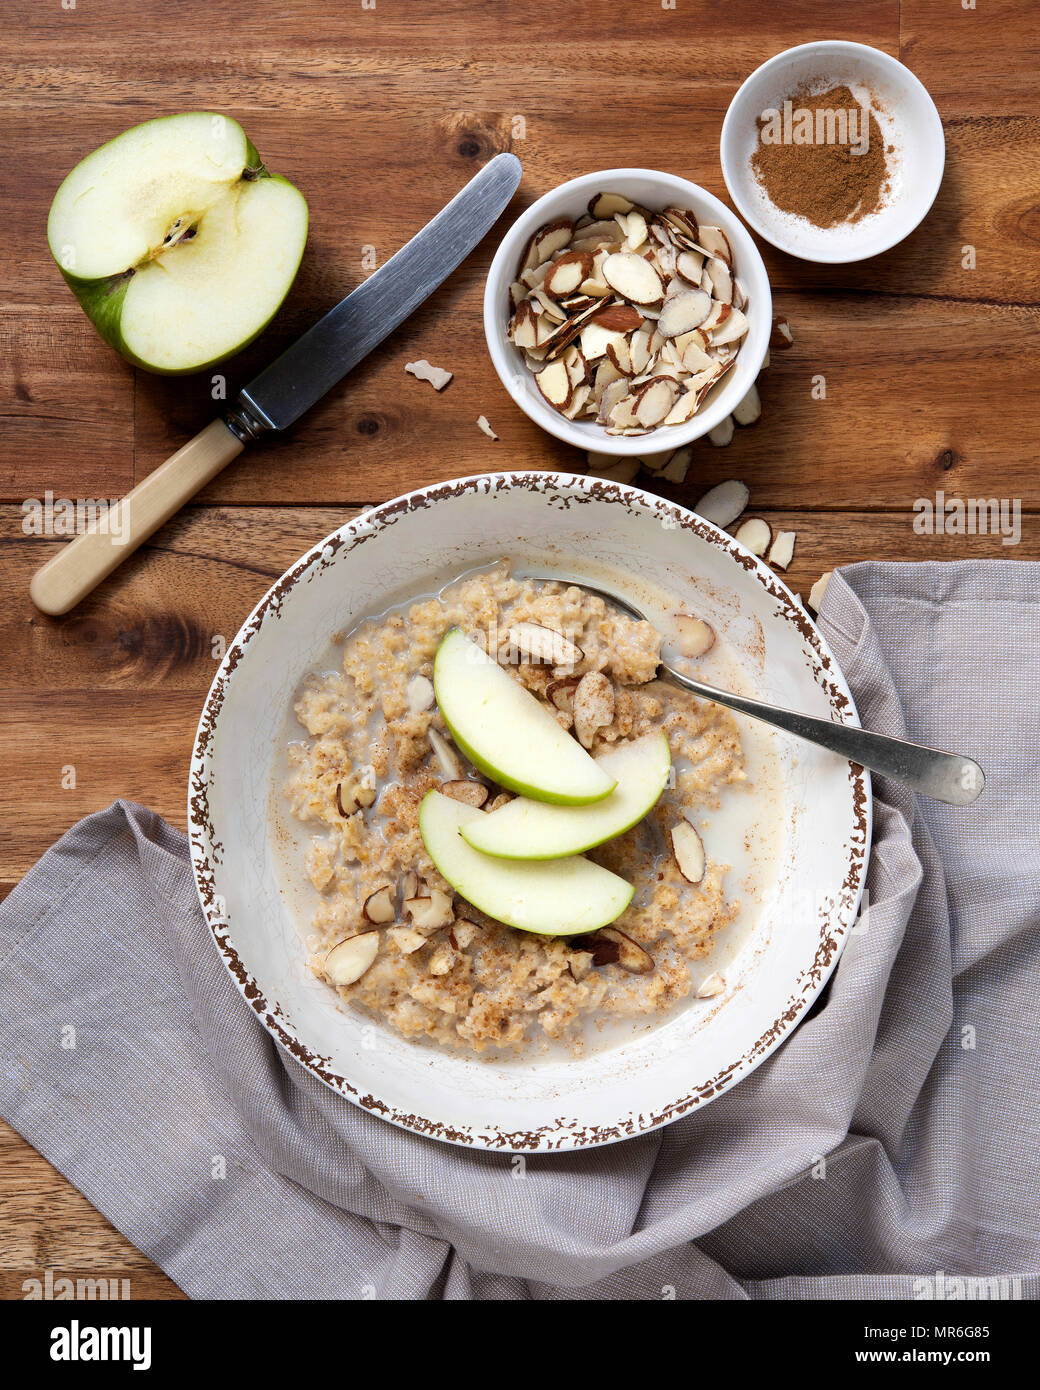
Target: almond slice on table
(694,636)
(781,337)
(554,384)
(715,241)
(622,471)
(750,408)
(592,706)
(379,906)
(712,986)
(781,552)
(543,645)
(655,401)
(607,204)
(683,312)
(438,377)
(722,434)
(612,946)
(633,277)
(567,273)
(348,960)
(688,849)
(678,466)
(483,424)
(545,242)
(447,761)
(754,534)
(724,503)
(470,793)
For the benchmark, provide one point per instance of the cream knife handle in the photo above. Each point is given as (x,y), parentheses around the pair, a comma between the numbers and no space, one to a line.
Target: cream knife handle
(80,566)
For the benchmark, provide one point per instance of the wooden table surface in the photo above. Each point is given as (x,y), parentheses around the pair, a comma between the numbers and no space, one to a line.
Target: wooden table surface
(379,110)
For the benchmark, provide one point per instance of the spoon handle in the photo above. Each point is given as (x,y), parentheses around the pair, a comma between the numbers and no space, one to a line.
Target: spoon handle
(947,777)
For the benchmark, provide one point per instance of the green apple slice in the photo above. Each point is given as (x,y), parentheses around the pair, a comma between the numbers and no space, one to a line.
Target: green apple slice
(506,732)
(177,241)
(526,829)
(561,897)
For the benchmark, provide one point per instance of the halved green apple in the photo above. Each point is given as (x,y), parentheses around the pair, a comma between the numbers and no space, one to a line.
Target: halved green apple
(505,731)
(526,829)
(560,897)
(177,241)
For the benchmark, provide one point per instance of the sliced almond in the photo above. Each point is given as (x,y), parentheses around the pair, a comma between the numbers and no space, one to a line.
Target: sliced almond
(683,312)
(690,347)
(447,761)
(470,793)
(542,645)
(749,409)
(409,885)
(655,401)
(607,204)
(484,425)
(719,314)
(567,273)
(721,279)
(577,402)
(618,318)
(715,240)
(688,849)
(633,277)
(694,636)
(554,384)
(732,327)
(606,372)
(348,960)
(430,914)
(635,229)
(438,377)
(781,337)
(612,946)
(818,590)
(690,264)
(407,939)
(523,326)
(712,986)
(612,396)
(595,340)
(593,706)
(682,220)
(549,307)
(579,964)
(678,466)
(379,906)
(465,932)
(419,694)
(639,349)
(618,353)
(722,434)
(724,503)
(561,693)
(754,534)
(443,960)
(546,242)
(683,409)
(781,552)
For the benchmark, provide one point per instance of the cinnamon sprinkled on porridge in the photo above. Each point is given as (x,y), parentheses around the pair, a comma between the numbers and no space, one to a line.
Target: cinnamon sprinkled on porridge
(376,743)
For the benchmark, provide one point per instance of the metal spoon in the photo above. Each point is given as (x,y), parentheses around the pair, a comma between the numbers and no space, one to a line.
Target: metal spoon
(948,777)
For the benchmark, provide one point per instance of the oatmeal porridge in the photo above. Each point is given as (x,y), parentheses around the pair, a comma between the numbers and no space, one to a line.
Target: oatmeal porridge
(372,743)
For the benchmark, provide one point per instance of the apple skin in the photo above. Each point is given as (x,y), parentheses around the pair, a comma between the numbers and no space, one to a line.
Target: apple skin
(494,773)
(570,816)
(102,300)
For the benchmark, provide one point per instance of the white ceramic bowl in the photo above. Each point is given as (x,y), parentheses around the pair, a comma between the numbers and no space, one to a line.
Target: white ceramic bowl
(912,125)
(655,191)
(584,526)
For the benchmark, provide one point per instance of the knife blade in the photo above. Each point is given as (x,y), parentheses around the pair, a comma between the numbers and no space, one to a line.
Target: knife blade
(285,389)
(314,363)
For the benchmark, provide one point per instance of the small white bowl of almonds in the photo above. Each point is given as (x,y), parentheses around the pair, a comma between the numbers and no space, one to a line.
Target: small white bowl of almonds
(627,311)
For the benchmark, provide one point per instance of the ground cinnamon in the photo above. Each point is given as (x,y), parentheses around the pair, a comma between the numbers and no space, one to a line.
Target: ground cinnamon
(822,156)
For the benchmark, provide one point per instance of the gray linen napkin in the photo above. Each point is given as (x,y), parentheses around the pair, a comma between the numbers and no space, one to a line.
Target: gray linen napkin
(128,1059)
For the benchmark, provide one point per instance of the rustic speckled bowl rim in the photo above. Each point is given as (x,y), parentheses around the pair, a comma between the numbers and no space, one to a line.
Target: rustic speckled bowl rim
(834,922)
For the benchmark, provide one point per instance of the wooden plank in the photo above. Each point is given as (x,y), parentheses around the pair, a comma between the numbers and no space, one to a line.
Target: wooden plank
(66,422)
(165,617)
(48,1225)
(979,61)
